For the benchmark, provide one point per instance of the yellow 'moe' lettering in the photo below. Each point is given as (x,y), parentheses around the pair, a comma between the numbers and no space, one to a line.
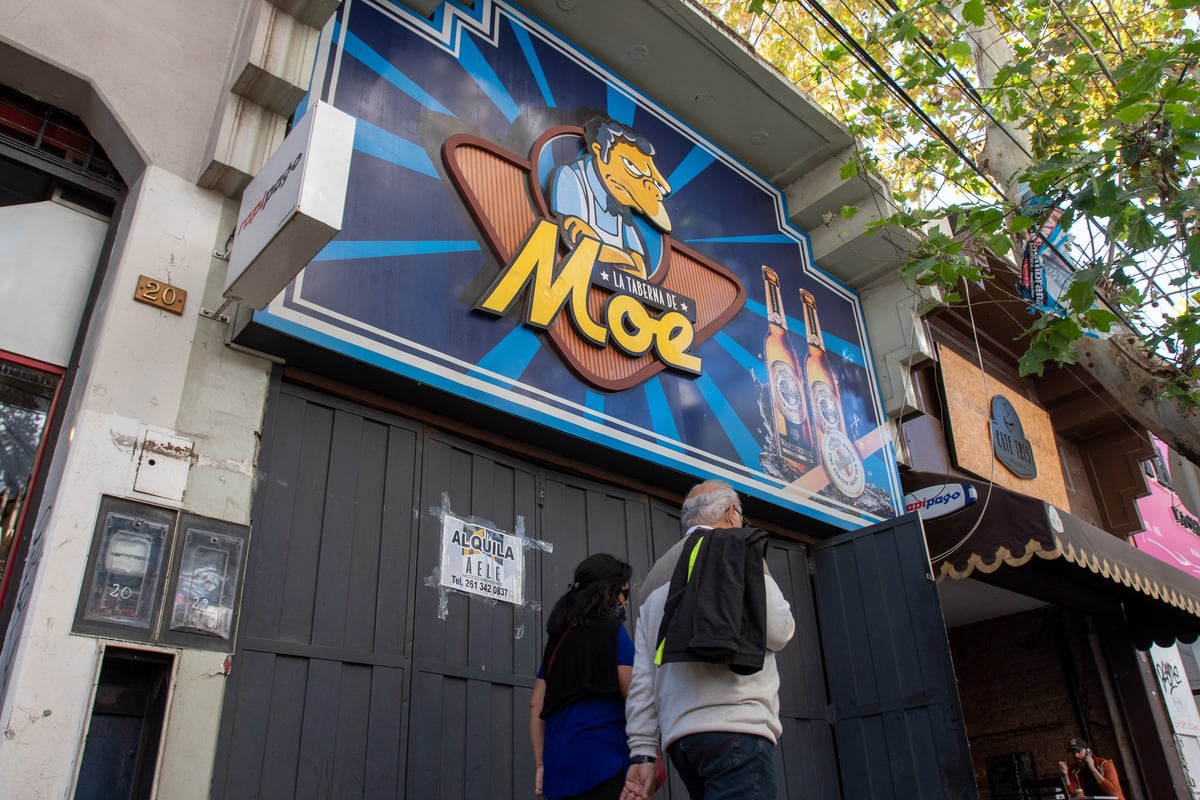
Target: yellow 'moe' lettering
(633,329)
(535,261)
(674,336)
(635,332)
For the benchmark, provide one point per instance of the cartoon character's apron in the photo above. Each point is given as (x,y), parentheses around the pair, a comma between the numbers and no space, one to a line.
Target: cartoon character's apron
(599,217)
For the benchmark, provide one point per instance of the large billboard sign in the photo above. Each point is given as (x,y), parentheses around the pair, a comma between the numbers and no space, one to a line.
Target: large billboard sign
(525,229)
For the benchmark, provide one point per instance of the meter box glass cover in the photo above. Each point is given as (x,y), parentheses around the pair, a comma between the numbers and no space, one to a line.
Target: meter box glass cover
(207,586)
(124,579)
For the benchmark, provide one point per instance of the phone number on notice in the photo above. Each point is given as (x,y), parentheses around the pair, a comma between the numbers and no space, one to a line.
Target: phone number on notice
(486,588)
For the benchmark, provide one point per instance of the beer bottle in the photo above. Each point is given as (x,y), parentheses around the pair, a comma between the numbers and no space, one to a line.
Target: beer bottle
(792,440)
(838,454)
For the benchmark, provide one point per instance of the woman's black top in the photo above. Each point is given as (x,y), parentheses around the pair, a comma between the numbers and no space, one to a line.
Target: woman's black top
(584,665)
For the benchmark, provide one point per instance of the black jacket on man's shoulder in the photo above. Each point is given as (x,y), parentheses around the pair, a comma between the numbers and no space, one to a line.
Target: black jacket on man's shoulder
(716,608)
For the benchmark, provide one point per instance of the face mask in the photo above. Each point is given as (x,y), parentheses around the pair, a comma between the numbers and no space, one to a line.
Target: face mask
(619,612)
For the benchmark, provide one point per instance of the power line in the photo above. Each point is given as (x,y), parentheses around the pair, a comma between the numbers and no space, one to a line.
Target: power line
(822,16)
(827,21)
(960,80)
(901,146)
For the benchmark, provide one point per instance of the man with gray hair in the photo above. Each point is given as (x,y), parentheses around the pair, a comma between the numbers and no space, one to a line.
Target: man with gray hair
(705,684)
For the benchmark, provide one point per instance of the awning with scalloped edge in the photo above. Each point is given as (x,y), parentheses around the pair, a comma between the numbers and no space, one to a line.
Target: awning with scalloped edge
(1024,544)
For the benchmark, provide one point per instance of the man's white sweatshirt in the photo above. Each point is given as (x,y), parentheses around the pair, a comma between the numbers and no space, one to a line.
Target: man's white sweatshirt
(676,699)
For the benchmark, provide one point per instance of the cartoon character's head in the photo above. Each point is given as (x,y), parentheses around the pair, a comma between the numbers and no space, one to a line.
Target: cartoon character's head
(625,162)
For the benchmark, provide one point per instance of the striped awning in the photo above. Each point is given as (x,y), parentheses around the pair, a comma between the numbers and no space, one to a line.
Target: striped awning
(1027,545)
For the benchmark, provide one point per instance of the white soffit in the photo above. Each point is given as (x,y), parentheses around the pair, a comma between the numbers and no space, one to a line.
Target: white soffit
(969,600)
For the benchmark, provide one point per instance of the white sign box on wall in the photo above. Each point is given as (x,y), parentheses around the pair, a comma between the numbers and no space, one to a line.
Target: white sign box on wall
(938,501)
(293,208)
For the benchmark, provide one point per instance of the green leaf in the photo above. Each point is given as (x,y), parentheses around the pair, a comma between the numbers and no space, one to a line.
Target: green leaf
(1193,252)
(848,170)
(1070,135)
(1134,113)
(1001,246)
(1080,293)
(1183,94)
(1142,234)
(1020,223)
(960,53)
(985,220)
(1099,319)
(1033,362)
(849,211)
(1082,64)
(834,53)
(973,12)
(1138,84)
(1187,328)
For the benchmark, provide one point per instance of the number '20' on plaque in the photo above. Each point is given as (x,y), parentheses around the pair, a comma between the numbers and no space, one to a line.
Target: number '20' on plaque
(154,292)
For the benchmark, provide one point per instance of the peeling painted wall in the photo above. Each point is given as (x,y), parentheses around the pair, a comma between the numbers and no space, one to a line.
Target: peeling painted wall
(160,69)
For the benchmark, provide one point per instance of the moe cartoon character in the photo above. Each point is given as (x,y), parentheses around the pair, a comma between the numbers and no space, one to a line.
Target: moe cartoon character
(596,196)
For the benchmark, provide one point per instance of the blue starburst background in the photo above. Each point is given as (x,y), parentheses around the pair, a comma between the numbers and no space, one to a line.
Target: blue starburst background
(397,286)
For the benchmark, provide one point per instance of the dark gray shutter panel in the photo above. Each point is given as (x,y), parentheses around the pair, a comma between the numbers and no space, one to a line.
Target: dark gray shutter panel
(891,680)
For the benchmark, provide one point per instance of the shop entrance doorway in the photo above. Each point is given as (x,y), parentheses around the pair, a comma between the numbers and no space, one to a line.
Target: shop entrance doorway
(356,675)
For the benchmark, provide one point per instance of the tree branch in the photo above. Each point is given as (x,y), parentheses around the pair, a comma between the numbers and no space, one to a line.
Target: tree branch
(1087,42)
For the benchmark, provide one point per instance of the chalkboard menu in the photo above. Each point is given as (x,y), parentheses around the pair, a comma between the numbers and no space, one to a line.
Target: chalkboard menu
(1010,775)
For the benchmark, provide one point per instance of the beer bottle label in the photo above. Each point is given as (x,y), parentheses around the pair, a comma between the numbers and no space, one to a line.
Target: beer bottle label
(843,463)
(826,406)
(786,390)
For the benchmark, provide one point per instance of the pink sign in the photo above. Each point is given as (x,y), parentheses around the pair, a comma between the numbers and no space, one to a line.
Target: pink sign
(1171,534)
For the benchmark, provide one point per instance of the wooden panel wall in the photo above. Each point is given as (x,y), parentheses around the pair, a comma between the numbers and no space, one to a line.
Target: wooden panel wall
(315,697)
(968,396)
(808,747)
(355,676)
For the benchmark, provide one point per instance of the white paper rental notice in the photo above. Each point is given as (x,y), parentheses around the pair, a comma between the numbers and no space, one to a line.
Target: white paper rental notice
(482,561)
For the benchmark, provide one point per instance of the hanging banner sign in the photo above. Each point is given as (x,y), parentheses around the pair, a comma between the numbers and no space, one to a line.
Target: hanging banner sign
(1032,285)
(1048,264)
(482,561)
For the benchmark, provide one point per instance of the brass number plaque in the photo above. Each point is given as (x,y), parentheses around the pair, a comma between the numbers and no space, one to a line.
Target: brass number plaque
(157,293)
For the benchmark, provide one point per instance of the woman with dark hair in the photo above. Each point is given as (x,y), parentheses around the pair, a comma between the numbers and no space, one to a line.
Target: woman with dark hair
(577,711)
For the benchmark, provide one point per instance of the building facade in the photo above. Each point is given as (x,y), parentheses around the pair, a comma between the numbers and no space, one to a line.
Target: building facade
(590,253)
(1029,488)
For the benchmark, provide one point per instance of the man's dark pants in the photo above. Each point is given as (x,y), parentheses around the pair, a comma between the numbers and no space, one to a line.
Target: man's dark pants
(725,766)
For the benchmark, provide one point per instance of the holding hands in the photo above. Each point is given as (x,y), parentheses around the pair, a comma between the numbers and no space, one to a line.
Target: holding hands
(640,782)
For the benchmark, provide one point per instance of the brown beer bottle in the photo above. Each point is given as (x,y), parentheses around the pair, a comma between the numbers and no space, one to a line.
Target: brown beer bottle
(793,439)
(838,454)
